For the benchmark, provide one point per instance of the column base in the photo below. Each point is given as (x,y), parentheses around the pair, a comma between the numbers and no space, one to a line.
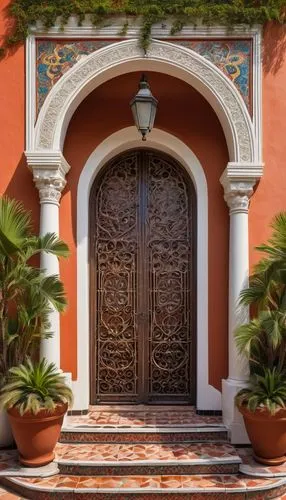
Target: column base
(232,418)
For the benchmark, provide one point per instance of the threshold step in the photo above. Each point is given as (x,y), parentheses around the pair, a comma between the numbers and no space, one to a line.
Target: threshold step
(89,434)
(185,487)
(159,459)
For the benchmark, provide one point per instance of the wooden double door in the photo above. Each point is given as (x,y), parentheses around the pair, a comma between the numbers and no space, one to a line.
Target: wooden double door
(142,278)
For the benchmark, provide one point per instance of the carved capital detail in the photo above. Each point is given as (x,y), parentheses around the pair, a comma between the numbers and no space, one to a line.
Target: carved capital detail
(50,185)
(237,196)
(204,74)
(49,172)
(238,181)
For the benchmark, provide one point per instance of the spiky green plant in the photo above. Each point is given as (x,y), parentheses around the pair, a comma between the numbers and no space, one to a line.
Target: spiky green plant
(26,292)
(263,339)
(32,387)
(264,391)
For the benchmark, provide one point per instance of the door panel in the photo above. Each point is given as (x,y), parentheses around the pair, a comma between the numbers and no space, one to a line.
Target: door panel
(142,295)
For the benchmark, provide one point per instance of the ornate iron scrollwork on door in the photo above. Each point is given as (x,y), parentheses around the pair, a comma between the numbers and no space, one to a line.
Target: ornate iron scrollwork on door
(142,221)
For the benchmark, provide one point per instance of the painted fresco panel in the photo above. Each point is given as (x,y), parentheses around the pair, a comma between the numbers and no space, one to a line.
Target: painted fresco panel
(56,57)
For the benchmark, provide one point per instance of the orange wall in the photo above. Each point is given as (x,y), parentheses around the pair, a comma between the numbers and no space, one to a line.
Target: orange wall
(184,113)
(181,112)
(15,178)
(270,195)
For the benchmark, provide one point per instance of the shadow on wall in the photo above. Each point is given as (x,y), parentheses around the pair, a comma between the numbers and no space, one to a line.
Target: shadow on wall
(21,187)
(274,47)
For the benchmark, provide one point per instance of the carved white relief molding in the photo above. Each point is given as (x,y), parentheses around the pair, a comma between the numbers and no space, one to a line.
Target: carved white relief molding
(205,76)
(238,182)
(49,172)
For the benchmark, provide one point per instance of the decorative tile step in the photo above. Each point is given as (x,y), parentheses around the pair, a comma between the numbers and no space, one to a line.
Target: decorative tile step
(10,466)
(158,459)
(143,416)
(178,487)
(252,468)
(139,435)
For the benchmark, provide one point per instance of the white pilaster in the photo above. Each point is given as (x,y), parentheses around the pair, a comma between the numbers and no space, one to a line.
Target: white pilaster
(238,188)
(49,171)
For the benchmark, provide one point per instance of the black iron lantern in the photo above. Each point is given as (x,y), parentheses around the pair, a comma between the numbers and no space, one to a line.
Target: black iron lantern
(144,107)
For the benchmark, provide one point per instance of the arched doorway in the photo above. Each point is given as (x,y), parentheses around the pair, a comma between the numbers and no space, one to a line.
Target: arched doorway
(143,281)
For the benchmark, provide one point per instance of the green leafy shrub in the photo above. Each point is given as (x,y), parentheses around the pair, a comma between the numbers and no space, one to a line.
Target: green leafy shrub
(208,12)
(26,292)
(35,387)
(264,391)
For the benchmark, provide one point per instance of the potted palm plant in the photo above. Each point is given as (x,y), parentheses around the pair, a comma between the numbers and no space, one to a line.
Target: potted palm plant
(263,340)
(26,292)
(36,398)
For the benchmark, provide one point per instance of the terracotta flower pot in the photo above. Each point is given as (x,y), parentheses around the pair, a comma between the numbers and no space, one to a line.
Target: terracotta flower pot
(36,435)
(267,434)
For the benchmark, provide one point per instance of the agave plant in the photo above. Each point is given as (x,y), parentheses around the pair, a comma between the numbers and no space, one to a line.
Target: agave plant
(263,339)
(264,391)
(33,387)
(26,292)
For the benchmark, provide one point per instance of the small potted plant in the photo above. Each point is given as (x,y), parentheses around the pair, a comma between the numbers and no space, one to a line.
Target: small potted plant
(26,292)
(263,340)
(36,398)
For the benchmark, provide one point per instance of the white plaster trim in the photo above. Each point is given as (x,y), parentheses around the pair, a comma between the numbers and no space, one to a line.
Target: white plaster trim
(113,27)
(72,31)
(164,57)
(208,398)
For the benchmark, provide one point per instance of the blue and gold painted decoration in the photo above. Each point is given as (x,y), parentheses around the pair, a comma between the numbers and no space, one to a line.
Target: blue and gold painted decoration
(56,57)
(232,57)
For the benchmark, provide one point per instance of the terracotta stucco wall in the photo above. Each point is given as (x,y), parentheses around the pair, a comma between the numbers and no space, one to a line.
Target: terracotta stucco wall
(15,178)
(181,112)
(184,113)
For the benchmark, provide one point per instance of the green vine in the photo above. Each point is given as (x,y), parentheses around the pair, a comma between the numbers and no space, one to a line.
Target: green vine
(226,12)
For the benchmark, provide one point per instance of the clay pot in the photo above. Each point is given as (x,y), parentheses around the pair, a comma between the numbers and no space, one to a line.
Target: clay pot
(267,434)
(36,435)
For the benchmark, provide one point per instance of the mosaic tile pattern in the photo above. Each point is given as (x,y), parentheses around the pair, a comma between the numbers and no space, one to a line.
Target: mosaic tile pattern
(56,57)
(6,495)
(133,459)
(252,468)
(96,436)
(121,418)
(223,484)
(232,57)
(10,466)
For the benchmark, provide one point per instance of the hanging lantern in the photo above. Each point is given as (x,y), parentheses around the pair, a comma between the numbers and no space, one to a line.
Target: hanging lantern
(144,107)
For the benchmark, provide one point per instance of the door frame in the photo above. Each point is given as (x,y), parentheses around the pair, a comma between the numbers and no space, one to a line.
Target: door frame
(208,397)
(192,206)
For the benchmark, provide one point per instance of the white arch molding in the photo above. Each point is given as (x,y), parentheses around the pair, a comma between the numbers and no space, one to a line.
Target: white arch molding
(127,56)
(207,396)
(44,156)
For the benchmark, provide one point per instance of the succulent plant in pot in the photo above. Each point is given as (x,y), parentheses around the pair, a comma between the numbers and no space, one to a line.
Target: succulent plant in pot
(263,340)
(36,398)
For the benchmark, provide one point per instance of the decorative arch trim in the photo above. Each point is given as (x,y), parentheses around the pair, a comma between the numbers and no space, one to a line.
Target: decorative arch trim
(208,398)
(164,57)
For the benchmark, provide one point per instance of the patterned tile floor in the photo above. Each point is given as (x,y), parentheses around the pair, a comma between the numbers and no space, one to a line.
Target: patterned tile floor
(220,482)
(146,452)
(250,467)
(6,495)
(142,417)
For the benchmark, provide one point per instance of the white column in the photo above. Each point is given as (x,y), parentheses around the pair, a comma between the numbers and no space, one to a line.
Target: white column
(237,194)
(49,170)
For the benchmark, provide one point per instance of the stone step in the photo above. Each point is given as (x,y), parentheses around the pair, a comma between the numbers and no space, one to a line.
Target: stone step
(158,459)
(182,487)
(142,435)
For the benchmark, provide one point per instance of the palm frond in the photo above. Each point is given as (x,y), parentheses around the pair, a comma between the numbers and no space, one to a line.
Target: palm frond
(15,226)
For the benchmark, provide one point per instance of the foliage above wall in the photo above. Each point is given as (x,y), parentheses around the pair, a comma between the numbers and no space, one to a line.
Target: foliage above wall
(208,12)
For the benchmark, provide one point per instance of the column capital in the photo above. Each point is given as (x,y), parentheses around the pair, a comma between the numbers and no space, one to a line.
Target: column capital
(238,181)
(49,171)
